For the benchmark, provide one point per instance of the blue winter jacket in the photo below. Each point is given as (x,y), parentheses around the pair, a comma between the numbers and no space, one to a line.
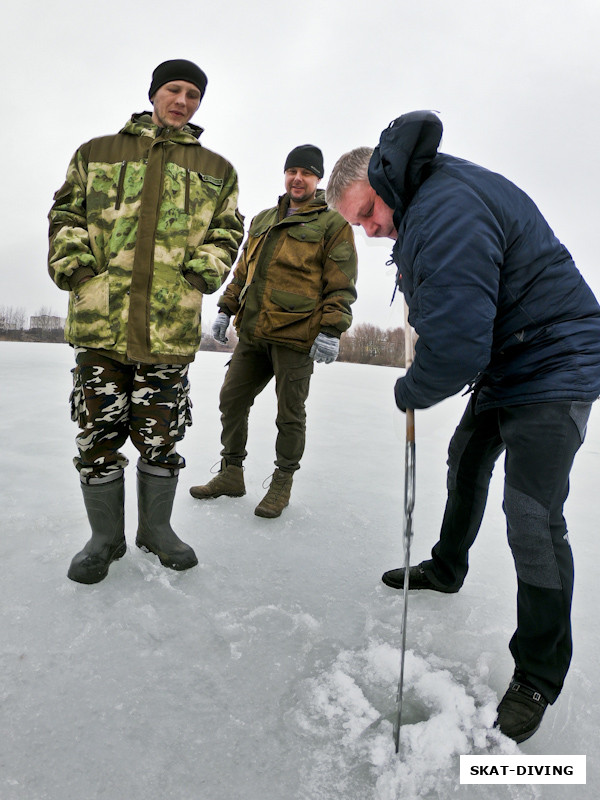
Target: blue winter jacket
(494,297)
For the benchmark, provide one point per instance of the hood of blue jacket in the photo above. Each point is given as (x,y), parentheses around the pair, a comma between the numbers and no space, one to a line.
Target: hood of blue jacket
(402,159)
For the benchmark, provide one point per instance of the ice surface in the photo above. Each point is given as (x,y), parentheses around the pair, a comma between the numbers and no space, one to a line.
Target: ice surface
(269,672)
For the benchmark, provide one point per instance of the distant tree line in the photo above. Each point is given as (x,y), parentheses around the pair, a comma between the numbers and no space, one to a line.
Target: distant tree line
(12,319)
(364,343)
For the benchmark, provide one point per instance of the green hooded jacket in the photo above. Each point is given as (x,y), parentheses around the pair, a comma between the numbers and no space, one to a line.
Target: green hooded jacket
(150,216)
(296,276)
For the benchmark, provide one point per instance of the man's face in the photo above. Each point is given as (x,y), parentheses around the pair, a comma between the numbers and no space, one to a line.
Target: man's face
(361,205)
(175,103)
(301,185)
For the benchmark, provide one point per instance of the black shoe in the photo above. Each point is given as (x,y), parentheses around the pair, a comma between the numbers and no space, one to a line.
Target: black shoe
(520,711)
(417,579)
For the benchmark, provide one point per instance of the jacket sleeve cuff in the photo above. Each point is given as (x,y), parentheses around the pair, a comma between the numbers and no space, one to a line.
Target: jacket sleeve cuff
(331,332)
(397,394)
(196,280)
(225,307)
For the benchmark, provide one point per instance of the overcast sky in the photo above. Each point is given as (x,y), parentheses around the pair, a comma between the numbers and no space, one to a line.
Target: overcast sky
(516,83)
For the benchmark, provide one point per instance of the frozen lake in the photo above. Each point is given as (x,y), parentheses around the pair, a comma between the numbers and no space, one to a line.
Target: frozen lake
(268,672)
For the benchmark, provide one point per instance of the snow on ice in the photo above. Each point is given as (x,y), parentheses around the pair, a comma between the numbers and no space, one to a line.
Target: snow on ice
(269,672)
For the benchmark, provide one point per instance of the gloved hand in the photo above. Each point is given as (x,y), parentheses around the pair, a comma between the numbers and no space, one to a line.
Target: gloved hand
(219,327)
(325,348)
(398,395)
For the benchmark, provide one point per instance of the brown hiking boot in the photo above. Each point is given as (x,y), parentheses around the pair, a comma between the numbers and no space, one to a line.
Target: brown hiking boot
(278,496)
(229,481)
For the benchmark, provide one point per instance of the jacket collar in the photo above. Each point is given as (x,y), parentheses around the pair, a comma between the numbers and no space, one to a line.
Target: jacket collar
(318,204)
(141,125)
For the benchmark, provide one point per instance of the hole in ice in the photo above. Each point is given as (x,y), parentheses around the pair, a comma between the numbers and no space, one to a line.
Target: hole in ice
(413,712)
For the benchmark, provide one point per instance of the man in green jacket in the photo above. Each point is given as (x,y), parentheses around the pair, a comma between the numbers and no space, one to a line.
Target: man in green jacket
(144,225)
(291,294)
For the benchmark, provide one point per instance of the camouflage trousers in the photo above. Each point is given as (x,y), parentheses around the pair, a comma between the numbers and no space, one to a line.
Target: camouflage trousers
(110,401)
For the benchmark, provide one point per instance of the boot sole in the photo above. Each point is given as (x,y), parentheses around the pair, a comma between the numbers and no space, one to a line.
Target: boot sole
(88,580)
(214,496)
(268,514)
(412,588)
(523,735)
(165,560)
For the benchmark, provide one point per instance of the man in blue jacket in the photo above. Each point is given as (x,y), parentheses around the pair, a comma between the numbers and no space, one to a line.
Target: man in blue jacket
(499,305)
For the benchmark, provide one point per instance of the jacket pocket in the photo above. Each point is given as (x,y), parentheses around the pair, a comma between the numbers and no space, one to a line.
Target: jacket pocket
(200,192)
(289,315)
(302,251)
(120,184)
(305,233)
(88,319)
(175,309)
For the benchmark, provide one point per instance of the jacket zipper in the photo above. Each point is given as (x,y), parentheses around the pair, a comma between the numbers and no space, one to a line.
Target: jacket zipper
(120,185)
(187,191)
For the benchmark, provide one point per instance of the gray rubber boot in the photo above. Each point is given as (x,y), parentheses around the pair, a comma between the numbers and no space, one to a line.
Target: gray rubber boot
(155,534)
(104,503)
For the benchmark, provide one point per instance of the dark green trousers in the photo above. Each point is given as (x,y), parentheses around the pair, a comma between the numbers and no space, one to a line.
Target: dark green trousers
(251,368)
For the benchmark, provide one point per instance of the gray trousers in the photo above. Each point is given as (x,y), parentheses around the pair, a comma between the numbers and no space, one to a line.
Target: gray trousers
(540,441)
(251,368)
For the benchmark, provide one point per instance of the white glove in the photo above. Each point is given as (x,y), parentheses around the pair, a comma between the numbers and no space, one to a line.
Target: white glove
(219,327)
(325,348)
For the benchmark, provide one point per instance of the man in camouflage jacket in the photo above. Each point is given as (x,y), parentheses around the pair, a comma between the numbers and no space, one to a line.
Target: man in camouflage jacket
(291,294)
(144,225)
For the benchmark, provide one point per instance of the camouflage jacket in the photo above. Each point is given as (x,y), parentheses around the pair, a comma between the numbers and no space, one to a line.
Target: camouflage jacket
(296,276)
(151,217)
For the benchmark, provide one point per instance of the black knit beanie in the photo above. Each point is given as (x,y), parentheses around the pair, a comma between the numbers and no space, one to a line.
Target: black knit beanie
(308,157)
(177,70)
